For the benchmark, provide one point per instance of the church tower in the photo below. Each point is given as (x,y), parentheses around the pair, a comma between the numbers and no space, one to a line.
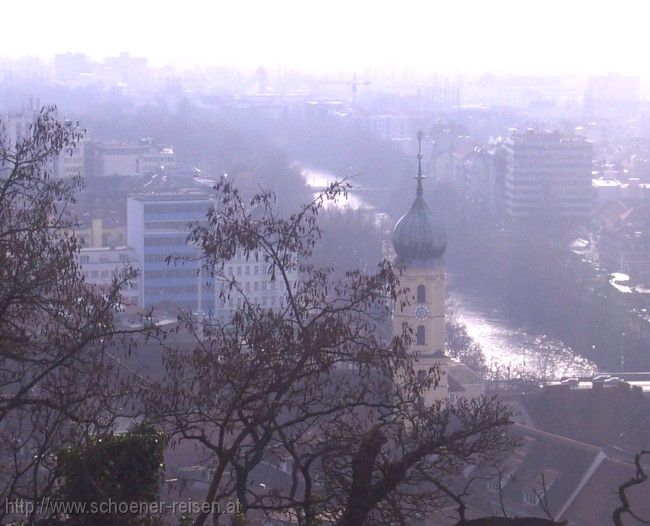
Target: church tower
(420,242)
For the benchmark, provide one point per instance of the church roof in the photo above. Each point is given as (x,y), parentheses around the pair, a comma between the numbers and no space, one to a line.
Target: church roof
(418,237)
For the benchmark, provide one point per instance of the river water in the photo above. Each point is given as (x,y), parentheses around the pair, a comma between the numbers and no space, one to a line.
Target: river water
(510,349)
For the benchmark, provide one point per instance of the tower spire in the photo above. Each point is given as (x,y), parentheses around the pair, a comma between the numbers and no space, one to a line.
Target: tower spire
(419,177)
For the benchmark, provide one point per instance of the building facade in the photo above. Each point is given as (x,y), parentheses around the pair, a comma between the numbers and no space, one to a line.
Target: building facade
(99,265)
(548,175)
(254,283)
(103,159)
(98,234)
(157,229)
(71,163)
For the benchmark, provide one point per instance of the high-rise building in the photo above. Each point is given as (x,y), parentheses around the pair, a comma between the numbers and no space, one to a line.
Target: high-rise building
(157,229)
(548,175)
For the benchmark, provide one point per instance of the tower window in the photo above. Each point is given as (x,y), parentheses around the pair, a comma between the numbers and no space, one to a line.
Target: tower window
(422,294)
(419,335)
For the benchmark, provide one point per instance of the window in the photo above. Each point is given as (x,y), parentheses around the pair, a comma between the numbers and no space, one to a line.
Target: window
(493,484)
(422,294)
(531,497)
(419,335)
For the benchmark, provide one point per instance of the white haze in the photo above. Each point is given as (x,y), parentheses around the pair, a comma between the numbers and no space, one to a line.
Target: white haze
(459,37)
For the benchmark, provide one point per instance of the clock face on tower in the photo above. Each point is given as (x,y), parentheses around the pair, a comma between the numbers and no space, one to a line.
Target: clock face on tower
(421,312)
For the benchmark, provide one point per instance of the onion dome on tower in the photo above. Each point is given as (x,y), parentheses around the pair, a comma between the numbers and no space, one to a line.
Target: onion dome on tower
(418,238)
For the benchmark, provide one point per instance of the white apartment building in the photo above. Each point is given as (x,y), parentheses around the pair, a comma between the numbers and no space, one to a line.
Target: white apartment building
(99,265)
(255,283)
(72,163)
(124,158)
(548,174)
(16,126)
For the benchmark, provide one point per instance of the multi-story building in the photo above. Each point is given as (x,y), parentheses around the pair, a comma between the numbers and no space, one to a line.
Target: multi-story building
(16,126)
(485,177)
(71,163)
(548,175)
(124,159)
(99,265)
(157,229)
(254,285)
(391,127)
(624,242)
(611,94)
(97,234)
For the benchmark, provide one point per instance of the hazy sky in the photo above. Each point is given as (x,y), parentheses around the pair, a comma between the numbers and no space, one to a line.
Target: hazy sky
(453,36)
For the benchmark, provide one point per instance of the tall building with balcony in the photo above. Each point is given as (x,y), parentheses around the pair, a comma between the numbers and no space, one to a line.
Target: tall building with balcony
(548,175)
(157,229)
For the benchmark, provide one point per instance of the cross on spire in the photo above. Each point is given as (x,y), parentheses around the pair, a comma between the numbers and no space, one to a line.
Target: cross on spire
(419,177)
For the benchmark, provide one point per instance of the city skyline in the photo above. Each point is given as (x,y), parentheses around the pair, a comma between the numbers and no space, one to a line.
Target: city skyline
(560,39)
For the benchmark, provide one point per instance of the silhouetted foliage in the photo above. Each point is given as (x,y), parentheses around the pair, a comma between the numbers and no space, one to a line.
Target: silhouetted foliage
(115,470)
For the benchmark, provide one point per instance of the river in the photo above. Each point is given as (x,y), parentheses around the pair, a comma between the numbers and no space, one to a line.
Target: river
(509,348)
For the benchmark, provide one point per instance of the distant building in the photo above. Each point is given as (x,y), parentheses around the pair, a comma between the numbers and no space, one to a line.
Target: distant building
(485,177)
(389,127)
(17,126)
(69,66)
(128,69)
(548,175)
(119,158)
(257,287)
(611,94)
(100,265)
(452,149)
(157,228)
(97,234)
(71,164)
(624,241)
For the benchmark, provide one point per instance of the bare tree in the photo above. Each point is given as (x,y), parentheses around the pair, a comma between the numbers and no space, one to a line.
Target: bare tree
(317,381)
(55,374)
(640,477)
